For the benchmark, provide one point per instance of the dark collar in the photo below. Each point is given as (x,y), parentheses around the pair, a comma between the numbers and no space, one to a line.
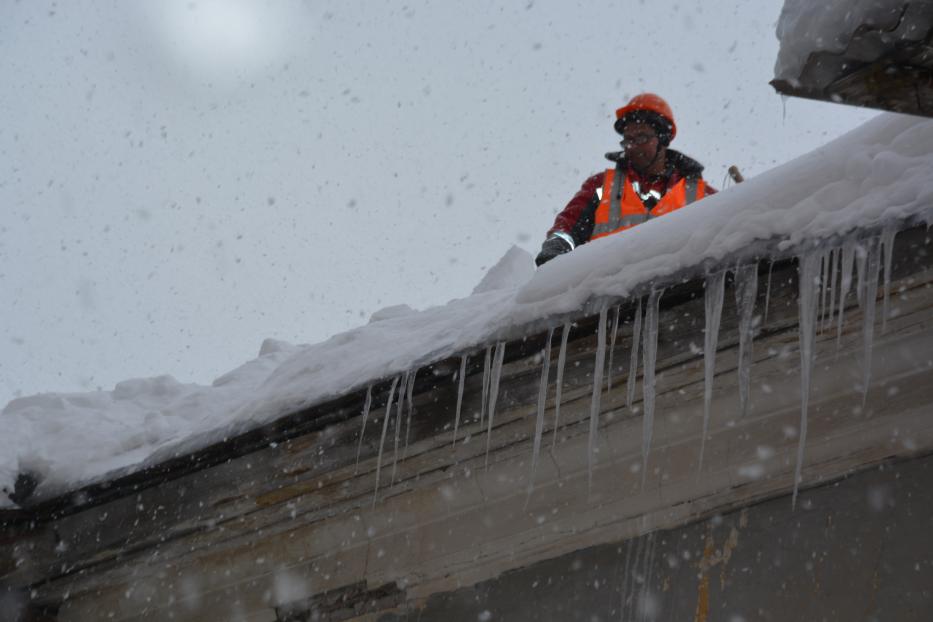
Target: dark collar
(676,162)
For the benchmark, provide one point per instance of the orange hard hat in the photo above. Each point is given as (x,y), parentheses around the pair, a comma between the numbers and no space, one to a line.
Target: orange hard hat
(646,103)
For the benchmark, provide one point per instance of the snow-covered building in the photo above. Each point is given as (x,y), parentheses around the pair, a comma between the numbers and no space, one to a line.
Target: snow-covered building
(873,53)
(723,413)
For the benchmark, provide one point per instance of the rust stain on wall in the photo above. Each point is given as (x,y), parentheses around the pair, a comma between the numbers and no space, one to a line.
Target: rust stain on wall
(731,542)
(702,611)
(711,558)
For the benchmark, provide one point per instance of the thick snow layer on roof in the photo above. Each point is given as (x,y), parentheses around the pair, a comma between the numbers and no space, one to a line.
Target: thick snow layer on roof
(879,174)
(805,27)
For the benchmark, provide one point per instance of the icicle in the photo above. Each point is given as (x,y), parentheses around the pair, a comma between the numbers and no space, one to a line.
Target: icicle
(648,570)
(367,403)
(460,379)
(746,291)
(385,427)
(834,257)
(630,581)
(633,363)
(409,406)
(824,281)
(494,393)
(597,394)
(715,286)
(612,348)
(768,293)
(861,256)
(487,366)
(808,266)
(648,388)
(561,360)
(539,420)
(868,312)
(403,387)
(845,277)
(887,241)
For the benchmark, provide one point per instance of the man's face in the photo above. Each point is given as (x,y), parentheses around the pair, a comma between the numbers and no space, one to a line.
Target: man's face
(641,144)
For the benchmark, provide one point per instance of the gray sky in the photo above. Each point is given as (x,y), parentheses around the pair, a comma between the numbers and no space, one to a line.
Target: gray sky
(181,179)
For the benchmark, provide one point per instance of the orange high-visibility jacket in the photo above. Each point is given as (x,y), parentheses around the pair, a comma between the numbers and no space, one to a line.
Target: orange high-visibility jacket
(621,208)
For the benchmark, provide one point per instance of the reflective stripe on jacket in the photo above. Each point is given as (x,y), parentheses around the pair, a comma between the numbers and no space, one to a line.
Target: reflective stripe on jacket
(621,208)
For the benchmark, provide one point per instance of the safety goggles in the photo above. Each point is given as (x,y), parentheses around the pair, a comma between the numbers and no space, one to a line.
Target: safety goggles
(638,139)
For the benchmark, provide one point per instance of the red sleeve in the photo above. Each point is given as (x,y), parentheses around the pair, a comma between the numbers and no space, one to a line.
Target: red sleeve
(569,216)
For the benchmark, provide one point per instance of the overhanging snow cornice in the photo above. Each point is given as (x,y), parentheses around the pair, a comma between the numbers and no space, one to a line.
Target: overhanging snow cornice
(886,61)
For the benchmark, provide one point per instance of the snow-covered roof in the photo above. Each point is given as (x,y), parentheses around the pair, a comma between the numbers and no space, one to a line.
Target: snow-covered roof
(806,27)
(876,175)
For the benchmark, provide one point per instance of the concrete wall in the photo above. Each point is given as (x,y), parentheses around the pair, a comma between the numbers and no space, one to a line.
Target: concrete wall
(857,549)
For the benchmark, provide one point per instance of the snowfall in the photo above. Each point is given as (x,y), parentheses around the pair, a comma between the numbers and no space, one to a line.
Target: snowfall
(877,177)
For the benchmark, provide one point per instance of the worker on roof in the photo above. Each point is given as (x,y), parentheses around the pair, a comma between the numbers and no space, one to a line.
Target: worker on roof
(649,180)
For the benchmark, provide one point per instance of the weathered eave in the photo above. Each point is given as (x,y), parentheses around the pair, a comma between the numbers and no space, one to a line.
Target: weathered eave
(442,518)
(882,69)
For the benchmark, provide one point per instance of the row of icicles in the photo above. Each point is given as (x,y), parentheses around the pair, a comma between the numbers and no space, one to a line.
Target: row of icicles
(825,280)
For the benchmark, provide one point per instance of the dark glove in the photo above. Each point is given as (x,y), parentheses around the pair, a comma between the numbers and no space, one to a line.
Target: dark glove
(552,247)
